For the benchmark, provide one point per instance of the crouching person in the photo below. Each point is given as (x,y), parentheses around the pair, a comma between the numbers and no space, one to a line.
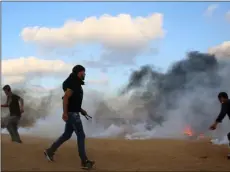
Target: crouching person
(225,109)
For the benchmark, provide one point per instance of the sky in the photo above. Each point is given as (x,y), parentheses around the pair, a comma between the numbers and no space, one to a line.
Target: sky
(42,41)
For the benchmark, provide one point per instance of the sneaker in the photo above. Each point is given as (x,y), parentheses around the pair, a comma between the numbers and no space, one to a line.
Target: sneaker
(49,156)
(17,141)
(87,164)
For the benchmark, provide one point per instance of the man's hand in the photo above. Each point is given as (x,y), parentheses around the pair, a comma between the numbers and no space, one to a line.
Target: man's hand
(65,116)
(83,112)
(213,126)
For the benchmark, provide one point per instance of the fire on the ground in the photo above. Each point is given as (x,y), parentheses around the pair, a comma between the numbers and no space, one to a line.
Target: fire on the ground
(190,133)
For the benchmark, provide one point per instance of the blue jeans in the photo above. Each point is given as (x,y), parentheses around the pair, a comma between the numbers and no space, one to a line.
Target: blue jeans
(73,124)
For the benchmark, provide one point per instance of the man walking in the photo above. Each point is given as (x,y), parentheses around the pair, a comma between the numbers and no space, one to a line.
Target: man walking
(72,102)
(16,109)
(225,109)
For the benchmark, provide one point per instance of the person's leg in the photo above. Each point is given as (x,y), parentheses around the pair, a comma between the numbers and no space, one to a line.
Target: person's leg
(9,123)
(10,130)
(16,136)
(79,131)
(64,137)
(78,128)
(3,122)
(49,153)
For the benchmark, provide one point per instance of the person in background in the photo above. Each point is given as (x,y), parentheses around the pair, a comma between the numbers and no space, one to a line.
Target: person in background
(16,107)
(72,101)
(225,109)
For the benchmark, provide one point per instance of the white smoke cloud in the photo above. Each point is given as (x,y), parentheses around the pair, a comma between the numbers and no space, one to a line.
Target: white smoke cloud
(14,79)
(109,125)
(102,80)
(222,50)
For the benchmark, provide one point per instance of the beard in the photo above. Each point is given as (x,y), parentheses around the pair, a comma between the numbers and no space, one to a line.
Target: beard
(82,78)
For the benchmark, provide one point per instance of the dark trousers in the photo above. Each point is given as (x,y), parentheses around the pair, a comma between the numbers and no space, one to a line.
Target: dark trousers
(73,124)
(11,123)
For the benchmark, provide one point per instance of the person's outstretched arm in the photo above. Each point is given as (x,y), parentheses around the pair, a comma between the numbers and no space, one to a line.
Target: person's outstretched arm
(6,104)
(220,117)
(222,113)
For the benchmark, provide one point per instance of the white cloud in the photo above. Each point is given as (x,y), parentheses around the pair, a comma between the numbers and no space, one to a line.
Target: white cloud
(14,79)
(228,16)
(104,80)
(26,65)
(122,37)
(222,50)
(99,82)
(20,70)
(210,10)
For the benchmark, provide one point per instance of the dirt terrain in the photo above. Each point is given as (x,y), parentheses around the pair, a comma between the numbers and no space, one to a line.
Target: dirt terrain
(117,155)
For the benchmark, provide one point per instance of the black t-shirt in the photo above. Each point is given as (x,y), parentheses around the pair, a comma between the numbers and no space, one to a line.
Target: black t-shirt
(14,107)
(75,101)
(225,109)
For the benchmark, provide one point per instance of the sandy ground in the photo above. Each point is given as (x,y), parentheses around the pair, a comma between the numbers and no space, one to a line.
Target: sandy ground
(117,155)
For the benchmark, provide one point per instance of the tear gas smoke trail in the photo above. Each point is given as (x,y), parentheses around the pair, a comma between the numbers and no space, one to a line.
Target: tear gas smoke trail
(153,104)
(188,91)
(36,105)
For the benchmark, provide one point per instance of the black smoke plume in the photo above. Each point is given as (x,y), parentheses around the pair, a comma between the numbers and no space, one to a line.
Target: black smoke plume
(187,91)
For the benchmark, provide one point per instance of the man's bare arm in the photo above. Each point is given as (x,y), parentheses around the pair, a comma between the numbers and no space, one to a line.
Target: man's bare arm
(21,101)
(68,94)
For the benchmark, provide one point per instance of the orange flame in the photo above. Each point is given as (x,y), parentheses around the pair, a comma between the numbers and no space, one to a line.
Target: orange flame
(188,131)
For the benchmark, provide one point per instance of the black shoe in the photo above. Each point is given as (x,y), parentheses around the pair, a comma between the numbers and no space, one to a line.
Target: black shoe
(17,141)
(228,156)
(49,155)
(87,164)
